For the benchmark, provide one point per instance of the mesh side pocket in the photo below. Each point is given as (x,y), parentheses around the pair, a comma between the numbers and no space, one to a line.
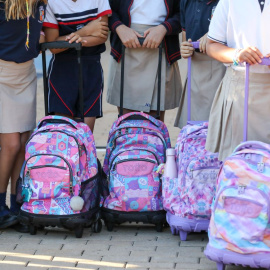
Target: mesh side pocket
(90,193)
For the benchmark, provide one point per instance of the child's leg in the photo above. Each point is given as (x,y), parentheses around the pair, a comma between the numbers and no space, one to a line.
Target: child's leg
(10,147)
(90,121)
(19,161)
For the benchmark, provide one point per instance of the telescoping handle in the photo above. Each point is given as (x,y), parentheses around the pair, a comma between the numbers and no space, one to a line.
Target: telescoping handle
(141,40)
(62,45)
(195,45)
(265,62)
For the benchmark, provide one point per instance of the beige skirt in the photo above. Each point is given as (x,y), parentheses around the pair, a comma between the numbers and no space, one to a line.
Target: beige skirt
(141,77)
(18,84)
(227,113)
(206,75)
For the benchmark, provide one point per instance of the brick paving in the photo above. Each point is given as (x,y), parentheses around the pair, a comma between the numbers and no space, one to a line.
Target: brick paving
(129,246)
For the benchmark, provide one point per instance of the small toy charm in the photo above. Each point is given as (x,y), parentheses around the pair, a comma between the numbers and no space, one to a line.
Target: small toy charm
(76,202)
(160,168)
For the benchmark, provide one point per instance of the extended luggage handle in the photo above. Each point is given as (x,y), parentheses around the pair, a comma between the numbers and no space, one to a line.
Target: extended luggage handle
(141,40)
(265,62)
(196,45)
(62,45)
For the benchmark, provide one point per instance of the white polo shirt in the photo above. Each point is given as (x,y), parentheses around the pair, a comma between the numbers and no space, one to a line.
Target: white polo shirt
(149,12)
(240,24)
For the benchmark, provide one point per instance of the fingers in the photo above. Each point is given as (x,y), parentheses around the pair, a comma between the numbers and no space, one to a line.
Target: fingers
(186,49)
(74,38)
(137,34)
(250,55)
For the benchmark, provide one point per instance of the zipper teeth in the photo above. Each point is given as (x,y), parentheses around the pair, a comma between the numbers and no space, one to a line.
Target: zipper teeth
(135,150)
(157,131)
(44,166)
(120,135)
(247,160)
(185,168)
(205,168)
(242,199)
(235,187)
(129,159)
(60,131)
(70,169)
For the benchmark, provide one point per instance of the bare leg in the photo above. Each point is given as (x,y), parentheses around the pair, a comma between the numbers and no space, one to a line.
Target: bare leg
(90,121)
(10,147)
(19,161)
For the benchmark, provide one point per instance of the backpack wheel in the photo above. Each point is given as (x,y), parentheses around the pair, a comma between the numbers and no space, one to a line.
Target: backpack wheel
(159,227)
(183,235)
(97,226)
(221,266)
(110,226)
(33,229)
(79,231)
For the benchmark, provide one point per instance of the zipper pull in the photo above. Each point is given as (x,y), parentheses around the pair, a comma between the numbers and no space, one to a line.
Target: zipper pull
(191,174)
(241,189)
(80,150)
(260,167)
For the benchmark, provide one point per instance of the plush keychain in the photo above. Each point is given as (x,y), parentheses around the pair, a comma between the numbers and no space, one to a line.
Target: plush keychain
(76,202)
(160,168)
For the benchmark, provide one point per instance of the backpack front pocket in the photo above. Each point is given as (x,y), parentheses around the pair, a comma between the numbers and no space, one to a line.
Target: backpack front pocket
(133,183)
(47,179)
(241,216)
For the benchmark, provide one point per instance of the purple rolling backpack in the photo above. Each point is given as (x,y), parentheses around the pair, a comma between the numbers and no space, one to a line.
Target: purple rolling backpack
(60,179)
(136,146)
(239,231)
(187,198)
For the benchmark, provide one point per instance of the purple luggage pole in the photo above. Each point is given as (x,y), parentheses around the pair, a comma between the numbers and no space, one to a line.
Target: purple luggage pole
(196,45)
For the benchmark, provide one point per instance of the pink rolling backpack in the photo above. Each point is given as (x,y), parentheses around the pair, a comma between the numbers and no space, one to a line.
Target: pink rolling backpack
(60,180)
(187,198)
(239,231)
(136,146)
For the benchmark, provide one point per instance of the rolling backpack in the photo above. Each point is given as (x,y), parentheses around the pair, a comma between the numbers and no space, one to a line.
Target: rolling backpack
(187,198)
(239,231)
(60,179)
(136,146)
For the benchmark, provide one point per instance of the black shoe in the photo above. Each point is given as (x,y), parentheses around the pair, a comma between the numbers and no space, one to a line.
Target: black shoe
(22,228)
(7,220)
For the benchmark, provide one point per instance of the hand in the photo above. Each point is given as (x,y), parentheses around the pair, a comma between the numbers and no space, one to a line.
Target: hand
(187,49)
(97,28)
(154,36)
(73,37)
(203,41)
(250,55)
(128,36)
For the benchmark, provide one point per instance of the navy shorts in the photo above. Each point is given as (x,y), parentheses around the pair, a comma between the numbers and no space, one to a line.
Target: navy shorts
(63,84)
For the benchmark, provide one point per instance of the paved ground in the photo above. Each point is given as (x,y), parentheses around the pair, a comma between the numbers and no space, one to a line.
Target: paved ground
(130,246)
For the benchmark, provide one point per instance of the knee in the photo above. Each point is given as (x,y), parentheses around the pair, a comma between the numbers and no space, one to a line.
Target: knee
(11,147)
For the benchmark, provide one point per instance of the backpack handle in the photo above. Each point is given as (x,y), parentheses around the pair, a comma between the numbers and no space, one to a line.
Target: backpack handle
(265,62)
(195,45)
(55,121)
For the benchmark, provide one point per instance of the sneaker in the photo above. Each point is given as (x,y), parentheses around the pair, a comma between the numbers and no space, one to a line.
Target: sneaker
(22,228)
(8,219)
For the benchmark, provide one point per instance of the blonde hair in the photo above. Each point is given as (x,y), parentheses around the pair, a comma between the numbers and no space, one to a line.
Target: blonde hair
(16,9)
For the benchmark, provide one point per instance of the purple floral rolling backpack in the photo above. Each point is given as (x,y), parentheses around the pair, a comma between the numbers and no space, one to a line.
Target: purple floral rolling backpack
(136,146)
(188,198)
(60,178)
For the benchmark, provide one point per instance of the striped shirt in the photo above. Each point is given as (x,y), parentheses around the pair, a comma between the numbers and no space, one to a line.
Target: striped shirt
(69,16)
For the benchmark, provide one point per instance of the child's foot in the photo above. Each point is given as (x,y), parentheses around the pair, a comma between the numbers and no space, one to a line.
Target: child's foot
(7,219)
(22,228)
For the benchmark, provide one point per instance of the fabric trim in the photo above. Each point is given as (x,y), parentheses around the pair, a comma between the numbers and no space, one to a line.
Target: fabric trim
(50,25)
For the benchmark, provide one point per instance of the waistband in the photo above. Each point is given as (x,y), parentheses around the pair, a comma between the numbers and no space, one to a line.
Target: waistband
(13,65)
